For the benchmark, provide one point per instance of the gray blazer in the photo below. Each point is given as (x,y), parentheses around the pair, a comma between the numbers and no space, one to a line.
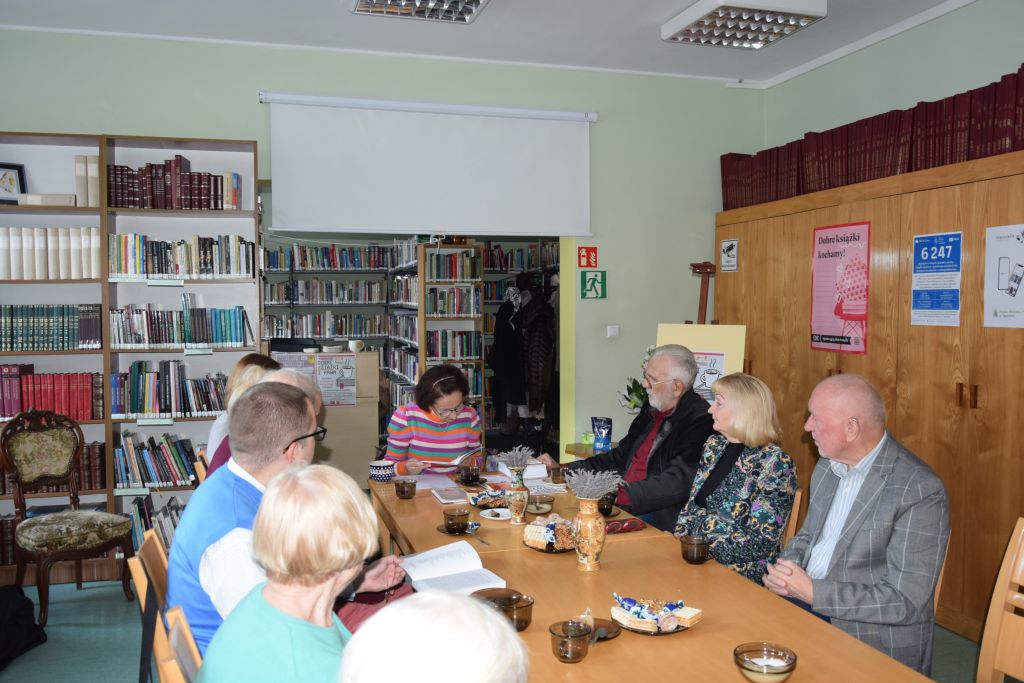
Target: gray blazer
(881,581)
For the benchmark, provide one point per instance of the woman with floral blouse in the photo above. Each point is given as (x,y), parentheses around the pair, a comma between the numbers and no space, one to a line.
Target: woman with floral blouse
(742,493)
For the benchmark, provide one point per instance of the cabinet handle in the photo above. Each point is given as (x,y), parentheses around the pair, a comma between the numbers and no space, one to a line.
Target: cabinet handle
(959,394)
(974,395)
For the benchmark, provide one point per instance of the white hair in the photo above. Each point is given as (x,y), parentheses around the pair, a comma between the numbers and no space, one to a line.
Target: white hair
(684,365)
(486,647)
(298,380)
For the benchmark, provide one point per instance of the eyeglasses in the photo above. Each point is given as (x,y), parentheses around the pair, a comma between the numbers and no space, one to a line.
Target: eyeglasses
(622,526)
(655,382)
(318,435)
(449,412)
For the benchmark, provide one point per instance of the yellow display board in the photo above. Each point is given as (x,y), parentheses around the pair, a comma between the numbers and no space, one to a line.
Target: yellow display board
(719,350)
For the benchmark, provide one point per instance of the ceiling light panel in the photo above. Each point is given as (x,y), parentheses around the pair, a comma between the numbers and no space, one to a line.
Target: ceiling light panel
(450,11)
(715,23)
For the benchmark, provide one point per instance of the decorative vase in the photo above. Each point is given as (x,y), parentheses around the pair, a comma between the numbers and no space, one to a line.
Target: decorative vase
(517,496)
(588,532)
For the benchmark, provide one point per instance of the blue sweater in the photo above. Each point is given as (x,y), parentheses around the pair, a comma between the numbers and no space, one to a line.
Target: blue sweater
(223,502)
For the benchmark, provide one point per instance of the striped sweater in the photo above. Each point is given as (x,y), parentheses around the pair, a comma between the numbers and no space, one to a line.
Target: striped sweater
(417,434)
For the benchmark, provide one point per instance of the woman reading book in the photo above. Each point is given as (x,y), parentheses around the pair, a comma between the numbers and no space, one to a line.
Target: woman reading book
(433,431)
(313,530)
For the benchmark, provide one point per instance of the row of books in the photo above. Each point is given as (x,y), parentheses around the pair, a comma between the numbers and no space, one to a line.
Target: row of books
(399,391)
(454,344)
(404,361)
(404,251)
(474,377)
(146,462)
(90,476)
(165,392)
(971,125)
(49,253)
(451,301)
(529,257)
(132,256)
(494,291)
(148,326)
(326,324)
(50,327)
(298,257)
(317,291)
(79,395)
(172,184)
(463,265)
(163,521)
(404,289)
(87,180)
(403,326)
(7,525)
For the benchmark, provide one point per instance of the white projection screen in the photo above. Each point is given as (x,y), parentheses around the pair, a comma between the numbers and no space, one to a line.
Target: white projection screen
(339,168)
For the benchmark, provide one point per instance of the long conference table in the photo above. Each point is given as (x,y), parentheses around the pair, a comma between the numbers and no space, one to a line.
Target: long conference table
(639,564)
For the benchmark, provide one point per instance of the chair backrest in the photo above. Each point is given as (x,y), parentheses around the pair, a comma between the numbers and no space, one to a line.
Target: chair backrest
(141,580)
(1001,652)
(154,559)
(183,644)
(40,448)
(942,572)
(794,518)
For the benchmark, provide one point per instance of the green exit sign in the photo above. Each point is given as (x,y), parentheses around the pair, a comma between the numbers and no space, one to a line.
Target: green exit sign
(593,284)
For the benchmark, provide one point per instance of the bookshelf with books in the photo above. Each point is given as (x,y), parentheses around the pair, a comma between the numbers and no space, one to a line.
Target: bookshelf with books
(326,291)
(129,288)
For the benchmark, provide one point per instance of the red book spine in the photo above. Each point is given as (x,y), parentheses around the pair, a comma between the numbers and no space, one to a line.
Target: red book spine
(1004,114)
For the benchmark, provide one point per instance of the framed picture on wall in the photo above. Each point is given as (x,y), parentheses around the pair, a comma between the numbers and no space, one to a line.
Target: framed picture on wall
(12,182)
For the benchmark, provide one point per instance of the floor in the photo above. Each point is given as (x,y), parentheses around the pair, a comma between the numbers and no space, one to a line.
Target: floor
(94,636)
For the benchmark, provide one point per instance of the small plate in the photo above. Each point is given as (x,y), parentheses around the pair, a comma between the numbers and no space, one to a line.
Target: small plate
(472,526)
(539,509)
(648,633)
(496,514)
(552,551)
(612,629)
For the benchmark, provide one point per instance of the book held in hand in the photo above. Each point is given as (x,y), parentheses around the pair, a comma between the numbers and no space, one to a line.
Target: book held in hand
(453,568)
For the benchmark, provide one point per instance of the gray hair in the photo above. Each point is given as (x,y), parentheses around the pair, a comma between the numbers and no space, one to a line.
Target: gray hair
(299,380)
(489,651)
(684,365)
(264,420)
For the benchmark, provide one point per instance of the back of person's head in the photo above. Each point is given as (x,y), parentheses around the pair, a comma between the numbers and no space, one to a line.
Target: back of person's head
(253,362)
(682,361)
(264,420)
(524,282)
(487,648)
(298,380)
(438,381)
(755,420)
(313,522)
(243,379)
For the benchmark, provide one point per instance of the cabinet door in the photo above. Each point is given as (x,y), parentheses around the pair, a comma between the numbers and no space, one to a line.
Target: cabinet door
(994,485)
(932,383)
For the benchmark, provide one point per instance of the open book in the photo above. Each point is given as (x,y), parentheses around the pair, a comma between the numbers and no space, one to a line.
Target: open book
(453,568)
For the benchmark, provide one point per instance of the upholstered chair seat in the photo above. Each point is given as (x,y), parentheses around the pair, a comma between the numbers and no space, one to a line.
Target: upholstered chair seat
(70,530)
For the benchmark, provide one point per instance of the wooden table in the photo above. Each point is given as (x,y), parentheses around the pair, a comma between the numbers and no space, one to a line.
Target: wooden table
(642,564)
(583,450)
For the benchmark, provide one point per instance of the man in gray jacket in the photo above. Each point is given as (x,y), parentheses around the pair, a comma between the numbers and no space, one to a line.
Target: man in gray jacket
(870,551)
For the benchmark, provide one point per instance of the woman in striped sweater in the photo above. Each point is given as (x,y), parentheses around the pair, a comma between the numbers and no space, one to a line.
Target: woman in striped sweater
(437,426)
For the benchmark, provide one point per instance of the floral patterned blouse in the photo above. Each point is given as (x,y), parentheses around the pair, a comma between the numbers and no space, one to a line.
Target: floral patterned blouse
(747,513)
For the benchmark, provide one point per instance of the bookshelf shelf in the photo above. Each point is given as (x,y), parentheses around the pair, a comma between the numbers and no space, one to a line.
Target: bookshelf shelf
(56,494)
(157,282)
(56,210)
(181,213)
(5,420)
(181,349)
(344,271)
(175,420)
(69,352)
(51,282)
(144,490)
(342,304)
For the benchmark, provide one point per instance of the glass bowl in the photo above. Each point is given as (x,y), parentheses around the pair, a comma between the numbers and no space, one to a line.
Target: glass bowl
(764,662)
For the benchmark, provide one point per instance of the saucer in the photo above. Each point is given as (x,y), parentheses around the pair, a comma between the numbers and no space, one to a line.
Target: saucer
(496,514)
(479,482)
(473,526)
(611,629)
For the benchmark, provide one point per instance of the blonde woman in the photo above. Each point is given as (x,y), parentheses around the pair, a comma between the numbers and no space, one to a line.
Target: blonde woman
(311,534)
(249,370)
(743,491)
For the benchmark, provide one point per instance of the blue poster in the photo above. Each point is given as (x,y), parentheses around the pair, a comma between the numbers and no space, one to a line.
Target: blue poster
(935,290)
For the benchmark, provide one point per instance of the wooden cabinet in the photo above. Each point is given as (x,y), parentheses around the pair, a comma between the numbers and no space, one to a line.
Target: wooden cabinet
(950,392)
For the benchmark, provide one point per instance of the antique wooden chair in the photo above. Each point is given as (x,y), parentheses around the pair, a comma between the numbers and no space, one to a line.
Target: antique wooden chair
(183,644)
(41,448)
(793,524)
(1001,653)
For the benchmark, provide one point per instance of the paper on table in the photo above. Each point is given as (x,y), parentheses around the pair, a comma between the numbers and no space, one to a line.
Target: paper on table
(433,481)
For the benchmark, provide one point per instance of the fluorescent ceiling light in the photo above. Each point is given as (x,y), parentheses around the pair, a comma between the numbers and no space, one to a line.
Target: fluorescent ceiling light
(451,11)
(727,24)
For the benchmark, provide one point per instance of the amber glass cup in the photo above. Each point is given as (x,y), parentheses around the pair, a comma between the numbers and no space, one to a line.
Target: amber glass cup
(694,549)
(557,475)
(405,488)
(456,520)
(570,640)
(469,474)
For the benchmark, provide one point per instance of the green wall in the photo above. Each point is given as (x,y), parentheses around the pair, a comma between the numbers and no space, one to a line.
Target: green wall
(959,51)
(654,151)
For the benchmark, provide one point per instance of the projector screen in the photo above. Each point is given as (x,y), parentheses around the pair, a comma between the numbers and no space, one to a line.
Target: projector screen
(355,169)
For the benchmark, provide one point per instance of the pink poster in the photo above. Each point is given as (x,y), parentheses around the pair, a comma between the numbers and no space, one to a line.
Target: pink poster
(839,288)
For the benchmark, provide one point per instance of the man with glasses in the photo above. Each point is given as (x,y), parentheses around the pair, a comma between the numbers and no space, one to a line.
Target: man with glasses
(658,456)
(272,427)
(869,554)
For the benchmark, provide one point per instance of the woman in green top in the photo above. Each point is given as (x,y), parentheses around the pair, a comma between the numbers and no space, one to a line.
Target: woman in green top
(311,534)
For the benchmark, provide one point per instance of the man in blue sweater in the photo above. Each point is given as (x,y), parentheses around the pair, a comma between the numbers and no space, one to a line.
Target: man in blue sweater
(272,427)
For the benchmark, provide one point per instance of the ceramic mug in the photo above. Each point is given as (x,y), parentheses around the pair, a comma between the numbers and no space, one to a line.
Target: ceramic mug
(356,345)
(382,470)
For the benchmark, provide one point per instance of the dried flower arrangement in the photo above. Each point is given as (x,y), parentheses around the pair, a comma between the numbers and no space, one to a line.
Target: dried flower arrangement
(517,457)
(592,485)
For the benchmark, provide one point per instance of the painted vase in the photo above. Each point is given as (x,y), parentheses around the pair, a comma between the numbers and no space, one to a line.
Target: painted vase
(518,496)
(588,532)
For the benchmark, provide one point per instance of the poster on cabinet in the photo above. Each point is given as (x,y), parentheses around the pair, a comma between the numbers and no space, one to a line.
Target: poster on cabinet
(935,287)
(1004,270)
(840,264)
